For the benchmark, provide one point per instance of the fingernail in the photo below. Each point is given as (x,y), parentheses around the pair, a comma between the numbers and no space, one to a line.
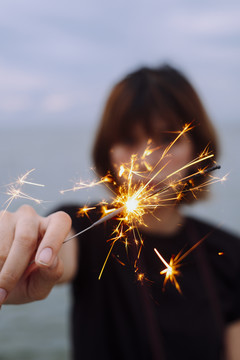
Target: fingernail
(3,295)
(45,256)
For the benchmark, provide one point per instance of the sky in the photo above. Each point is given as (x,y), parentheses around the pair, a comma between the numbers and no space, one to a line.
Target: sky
(60,58)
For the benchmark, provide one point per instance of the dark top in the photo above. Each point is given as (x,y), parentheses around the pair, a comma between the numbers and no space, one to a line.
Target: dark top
(119,317)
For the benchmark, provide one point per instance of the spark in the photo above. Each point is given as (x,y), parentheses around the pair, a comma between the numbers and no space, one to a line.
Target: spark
(84,211)
(82,185)
(172,268)
(14,190)
(170,272)
(22,179)
(140,277)
(120,235)
(224,178)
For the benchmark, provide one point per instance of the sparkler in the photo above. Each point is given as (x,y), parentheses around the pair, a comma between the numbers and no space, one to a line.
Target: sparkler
(131,204)
(136,198)
(14,190)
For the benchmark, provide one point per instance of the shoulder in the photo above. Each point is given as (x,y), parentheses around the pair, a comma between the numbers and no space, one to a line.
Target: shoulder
(215,233)
(218,243)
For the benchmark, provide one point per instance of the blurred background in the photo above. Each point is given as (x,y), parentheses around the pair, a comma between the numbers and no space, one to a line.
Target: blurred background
(58,62)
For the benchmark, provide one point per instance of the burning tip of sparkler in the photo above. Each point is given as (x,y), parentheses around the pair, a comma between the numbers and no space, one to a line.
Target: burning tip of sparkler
(131,205)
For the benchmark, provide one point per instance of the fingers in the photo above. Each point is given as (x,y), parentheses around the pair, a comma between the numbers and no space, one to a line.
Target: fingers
(7,229)
(35,284)
(43,279)
(23,235)
(56,228)
(50,266)
(19,244)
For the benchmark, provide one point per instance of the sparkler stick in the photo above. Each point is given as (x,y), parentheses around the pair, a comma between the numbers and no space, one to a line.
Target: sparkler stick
(98,222)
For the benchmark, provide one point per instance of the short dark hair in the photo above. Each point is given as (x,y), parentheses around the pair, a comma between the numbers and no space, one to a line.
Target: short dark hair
(164,91)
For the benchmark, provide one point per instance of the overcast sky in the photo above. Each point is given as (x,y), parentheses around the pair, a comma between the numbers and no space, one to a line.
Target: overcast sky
(59,59)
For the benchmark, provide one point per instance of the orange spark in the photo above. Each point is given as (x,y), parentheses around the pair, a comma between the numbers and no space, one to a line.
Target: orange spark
(171,270)
(84,211)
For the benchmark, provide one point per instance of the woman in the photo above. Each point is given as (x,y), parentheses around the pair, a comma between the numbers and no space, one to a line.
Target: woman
(120,316)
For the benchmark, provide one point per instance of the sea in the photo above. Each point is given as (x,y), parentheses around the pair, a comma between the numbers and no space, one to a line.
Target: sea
(59,157)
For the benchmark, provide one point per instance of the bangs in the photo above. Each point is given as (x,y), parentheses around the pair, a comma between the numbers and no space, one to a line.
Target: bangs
(150,108)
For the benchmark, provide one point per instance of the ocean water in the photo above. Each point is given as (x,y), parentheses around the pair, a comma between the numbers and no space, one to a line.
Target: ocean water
(61,157)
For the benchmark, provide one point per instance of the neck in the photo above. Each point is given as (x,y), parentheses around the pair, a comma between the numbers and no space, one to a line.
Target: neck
(164,221)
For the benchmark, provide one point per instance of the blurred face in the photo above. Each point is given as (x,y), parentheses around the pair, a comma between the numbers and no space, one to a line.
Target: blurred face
(179,155)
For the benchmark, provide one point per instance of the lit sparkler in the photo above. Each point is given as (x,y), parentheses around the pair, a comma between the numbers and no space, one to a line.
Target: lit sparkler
(136,198)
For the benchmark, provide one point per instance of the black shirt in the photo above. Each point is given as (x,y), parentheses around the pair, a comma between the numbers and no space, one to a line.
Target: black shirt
(119,317)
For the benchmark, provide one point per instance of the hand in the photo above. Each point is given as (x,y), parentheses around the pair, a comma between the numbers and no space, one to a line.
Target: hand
(29,248)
